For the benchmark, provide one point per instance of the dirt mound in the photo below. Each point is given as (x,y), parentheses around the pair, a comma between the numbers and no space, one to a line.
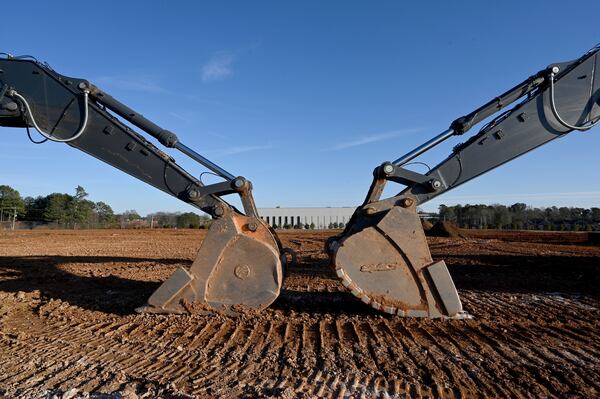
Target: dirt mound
(427,225)
(446,229)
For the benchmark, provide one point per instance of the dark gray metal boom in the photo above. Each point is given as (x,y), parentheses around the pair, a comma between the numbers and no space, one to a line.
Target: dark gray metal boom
(33,95)
(557,100)
(239,262)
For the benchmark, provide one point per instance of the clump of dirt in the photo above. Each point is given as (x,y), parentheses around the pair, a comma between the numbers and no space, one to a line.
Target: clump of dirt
(203,308)
(426,224)
(232,312)
(446,229)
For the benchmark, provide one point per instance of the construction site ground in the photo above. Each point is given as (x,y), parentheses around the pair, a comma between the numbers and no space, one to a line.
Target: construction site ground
(68,327)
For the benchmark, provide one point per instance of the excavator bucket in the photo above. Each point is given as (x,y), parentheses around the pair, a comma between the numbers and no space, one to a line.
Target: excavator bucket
(238,267)
(383,259)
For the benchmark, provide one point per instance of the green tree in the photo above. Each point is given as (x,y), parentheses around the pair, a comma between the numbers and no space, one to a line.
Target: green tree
(10,200)
(595,214)
(205,222)
(104,213)
(34,208)
(501,216)
(55,210)
(447,213)
(188,220)
(129,216)
(79,209)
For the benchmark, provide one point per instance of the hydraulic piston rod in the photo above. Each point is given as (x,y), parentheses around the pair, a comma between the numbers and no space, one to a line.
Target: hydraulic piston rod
(424,147)
(199,158)
(166,137)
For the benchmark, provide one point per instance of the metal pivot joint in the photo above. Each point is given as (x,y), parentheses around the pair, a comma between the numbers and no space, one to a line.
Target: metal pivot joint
(388,171)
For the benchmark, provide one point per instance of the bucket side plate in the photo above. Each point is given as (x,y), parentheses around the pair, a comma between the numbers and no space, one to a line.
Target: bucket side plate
(384,260)
(236,267)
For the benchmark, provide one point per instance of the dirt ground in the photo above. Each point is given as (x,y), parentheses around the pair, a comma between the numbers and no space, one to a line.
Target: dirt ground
(68,327)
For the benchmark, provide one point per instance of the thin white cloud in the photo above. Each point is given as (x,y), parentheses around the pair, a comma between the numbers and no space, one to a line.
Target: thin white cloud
(218,67)
(216,134)
(142,84)
(179,116)
(242,149)
(373,138)
(239,149)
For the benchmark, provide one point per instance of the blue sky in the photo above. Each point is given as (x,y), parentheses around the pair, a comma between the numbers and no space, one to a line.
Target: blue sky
(303,98)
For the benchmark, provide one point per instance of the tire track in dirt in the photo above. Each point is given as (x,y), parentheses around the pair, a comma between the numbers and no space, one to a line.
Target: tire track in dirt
(520,344)
(369,350)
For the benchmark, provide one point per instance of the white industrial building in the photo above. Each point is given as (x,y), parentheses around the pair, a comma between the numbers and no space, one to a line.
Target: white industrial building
(321,218)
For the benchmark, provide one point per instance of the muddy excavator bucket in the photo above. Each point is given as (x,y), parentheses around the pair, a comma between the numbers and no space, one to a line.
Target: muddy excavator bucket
(383,259)
(237,267)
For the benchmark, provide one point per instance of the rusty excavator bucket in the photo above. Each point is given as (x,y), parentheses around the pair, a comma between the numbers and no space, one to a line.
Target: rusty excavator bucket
(238,267)
(383,259)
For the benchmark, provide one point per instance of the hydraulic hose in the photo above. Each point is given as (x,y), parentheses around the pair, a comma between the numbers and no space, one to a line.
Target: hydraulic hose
(555,111)
(15,94)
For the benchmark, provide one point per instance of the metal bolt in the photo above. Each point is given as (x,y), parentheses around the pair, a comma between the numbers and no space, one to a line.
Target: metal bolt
(242,272)
(11,106)
(252,226)
(407,202)
(82,86)
(219,210)
(435,184)
(555,69)
(193,194)
(388,168)
(238,183)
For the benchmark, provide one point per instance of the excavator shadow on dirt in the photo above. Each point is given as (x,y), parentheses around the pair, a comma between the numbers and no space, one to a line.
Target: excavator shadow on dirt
(109,293)
(98,291)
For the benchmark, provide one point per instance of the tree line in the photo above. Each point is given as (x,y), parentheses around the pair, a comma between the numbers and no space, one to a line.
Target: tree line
(522,217)
(77,211)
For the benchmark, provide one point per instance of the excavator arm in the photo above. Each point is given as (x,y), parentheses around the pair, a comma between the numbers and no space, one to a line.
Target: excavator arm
(239,262)
(382,256)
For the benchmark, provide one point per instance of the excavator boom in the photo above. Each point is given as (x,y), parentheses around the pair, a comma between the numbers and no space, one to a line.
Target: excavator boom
(382,256)
(239,262)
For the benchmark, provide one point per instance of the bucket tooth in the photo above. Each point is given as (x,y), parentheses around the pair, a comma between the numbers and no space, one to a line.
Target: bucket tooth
(236,268)
(384,260)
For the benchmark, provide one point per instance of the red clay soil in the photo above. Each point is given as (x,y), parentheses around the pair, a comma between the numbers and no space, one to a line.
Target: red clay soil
(549,237)
(426,224)
(445,229)
(68,326)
